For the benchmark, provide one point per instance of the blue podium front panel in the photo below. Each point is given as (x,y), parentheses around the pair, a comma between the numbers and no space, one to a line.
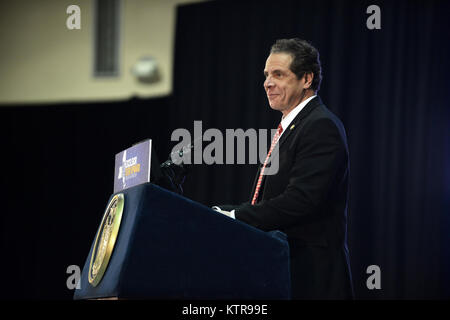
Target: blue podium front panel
(169,247)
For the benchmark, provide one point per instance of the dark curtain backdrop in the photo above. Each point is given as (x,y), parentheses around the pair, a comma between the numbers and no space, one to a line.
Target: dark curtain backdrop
(389,87)
(57,175)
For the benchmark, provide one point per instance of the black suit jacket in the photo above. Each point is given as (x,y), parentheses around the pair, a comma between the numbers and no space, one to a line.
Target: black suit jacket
(307,199)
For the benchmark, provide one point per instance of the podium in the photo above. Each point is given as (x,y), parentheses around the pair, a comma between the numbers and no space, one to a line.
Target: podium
(169,247)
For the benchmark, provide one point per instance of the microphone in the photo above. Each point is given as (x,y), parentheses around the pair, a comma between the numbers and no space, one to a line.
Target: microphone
(184,150)
(177,172)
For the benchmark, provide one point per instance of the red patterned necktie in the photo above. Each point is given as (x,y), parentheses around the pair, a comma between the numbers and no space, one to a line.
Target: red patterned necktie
(274,142)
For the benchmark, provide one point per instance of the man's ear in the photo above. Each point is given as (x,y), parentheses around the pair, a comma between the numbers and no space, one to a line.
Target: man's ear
(309,76)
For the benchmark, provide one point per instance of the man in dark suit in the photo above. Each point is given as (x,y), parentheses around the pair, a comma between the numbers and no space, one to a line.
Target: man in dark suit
(307,197)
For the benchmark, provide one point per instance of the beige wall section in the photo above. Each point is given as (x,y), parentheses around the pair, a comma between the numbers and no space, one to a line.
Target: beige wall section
(41,61)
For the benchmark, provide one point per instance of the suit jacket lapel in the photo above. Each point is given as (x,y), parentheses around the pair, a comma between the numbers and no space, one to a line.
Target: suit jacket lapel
(301,115)
(311,105)
(292,126)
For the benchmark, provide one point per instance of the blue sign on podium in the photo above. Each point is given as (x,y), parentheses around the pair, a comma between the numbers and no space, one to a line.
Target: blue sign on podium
(132,166)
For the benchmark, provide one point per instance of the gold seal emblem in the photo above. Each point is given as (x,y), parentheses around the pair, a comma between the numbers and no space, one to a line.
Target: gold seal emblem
(105,239)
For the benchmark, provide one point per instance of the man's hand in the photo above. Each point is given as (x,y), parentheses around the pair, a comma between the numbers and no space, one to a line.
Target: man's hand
(227,213)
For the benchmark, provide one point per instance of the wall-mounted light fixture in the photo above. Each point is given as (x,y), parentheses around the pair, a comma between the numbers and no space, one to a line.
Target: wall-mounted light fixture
(146,70)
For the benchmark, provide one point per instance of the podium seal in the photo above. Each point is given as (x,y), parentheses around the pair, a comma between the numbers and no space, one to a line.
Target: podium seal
(105,239)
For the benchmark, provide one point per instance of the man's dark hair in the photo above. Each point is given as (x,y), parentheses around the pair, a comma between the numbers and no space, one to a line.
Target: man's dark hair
(305,58)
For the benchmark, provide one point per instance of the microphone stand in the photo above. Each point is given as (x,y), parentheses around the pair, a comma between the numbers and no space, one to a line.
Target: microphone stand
(175,173)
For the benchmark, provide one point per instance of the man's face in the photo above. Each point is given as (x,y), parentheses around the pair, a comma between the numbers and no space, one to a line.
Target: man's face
(283,89)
